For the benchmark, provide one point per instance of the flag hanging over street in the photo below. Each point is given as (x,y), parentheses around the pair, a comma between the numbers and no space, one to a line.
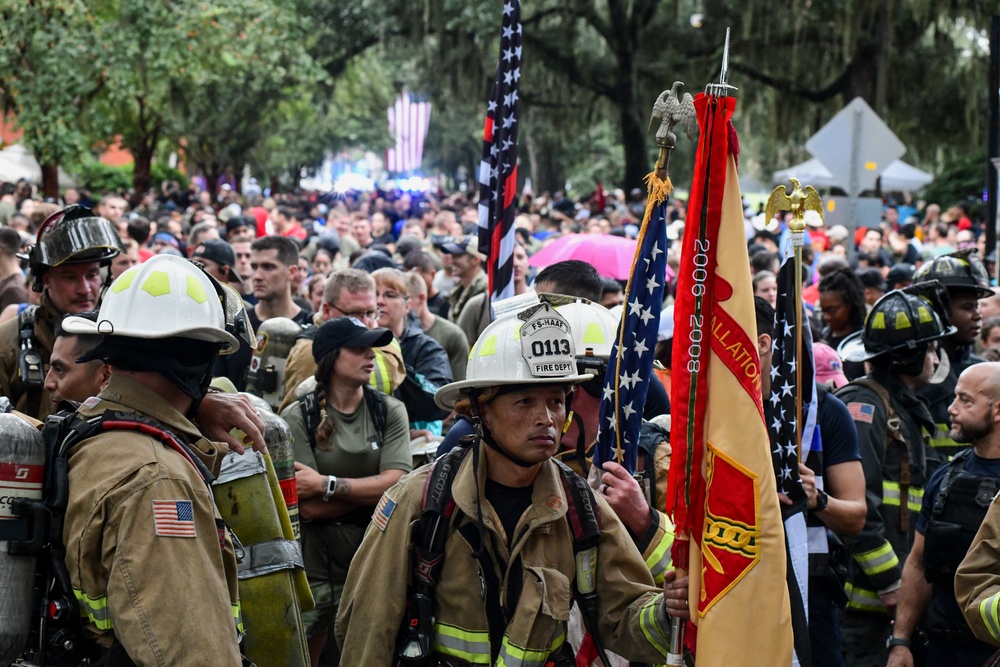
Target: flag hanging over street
(498,170)
(631,363)
(723,494)
(408,123)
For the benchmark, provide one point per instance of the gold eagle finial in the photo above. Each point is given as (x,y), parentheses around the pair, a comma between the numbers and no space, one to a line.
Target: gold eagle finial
(798,202)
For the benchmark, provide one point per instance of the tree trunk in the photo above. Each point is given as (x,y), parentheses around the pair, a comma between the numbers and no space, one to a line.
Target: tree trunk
(142,177)
(633,137)
(50,180)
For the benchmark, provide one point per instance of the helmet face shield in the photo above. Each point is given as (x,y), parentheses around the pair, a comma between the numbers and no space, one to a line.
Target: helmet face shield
(73,236)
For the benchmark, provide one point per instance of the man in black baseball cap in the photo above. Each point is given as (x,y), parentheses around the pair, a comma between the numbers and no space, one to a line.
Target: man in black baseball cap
(218,259)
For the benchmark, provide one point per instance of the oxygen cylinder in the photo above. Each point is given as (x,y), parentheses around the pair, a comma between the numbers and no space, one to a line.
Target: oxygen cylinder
(22,475)
(278,438)
(272,616)
(266,377)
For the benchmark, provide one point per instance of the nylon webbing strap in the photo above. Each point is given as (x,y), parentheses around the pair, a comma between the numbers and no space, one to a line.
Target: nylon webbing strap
(491,585)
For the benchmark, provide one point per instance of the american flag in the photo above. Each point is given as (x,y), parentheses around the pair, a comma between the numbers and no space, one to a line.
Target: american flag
(781,410)
(173,518)
(408,122)
(498,170)
(631,364)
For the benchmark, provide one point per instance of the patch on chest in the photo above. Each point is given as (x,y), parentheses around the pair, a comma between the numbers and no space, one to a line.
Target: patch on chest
(173,518)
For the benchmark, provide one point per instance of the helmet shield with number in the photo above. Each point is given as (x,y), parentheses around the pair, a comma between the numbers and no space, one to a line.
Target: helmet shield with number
(533,347)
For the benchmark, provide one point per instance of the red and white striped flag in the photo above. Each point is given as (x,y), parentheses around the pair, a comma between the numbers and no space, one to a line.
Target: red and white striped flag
(498,170)
(408,122)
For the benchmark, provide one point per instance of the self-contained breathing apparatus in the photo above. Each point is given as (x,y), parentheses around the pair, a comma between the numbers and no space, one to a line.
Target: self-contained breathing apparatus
(57,637)
(438,517)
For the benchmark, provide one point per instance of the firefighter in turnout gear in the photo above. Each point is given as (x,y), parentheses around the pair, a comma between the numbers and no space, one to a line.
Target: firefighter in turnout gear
(494,573)
(964,277)
(68,266)
(956,500)
(899,342)
(151,563)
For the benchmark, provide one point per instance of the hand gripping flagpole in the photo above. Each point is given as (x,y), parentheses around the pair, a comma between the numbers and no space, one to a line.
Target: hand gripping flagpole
(798,202)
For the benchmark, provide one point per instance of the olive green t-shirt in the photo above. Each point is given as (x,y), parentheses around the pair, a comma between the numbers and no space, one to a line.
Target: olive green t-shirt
(353,450)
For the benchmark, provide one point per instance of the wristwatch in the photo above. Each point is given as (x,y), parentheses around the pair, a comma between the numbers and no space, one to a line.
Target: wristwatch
(331,486)
(822,500)
(897,641)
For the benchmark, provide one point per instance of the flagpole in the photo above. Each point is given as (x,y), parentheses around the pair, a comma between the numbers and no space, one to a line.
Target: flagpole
(798,202)
(797,227)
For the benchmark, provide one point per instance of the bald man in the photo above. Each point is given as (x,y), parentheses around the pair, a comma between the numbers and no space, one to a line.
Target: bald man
(955,505)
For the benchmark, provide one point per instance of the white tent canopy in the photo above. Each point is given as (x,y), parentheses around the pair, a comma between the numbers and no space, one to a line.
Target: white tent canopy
(898,176)
(17,162)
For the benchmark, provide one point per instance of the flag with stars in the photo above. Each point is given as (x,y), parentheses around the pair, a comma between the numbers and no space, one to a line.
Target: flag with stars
(791,379)
(781,411)
(631,364)
(498,169)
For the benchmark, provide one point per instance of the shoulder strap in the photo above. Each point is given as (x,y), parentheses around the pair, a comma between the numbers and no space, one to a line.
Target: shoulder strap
(584,521)
(378,410)
(310,415)
(427,546)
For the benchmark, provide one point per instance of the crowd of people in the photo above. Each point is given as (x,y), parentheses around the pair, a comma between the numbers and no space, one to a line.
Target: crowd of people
(394,361)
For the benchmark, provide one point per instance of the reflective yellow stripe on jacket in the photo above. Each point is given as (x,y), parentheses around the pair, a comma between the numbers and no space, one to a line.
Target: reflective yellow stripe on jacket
(653,617)
(473,647)
(860,599)
(381,379)
(988,611)
(94,609)
(658,562)
(515,656)
(891,493)
(238,617)
(877,560)
(941,439)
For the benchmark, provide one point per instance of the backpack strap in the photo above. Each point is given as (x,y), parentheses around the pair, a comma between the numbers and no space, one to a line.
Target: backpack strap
(29,360)
(892,426)
(427,550)
(378,411)
(585,523)
(310,415)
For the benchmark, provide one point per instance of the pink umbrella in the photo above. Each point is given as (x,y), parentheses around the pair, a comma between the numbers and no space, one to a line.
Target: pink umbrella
(611,255)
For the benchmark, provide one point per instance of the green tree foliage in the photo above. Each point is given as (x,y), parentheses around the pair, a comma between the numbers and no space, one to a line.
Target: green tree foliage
(48,77)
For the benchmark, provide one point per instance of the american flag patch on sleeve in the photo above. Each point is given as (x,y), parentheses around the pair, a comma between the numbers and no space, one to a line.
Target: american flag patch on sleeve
(383,512)
(861,412)
(173,518)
